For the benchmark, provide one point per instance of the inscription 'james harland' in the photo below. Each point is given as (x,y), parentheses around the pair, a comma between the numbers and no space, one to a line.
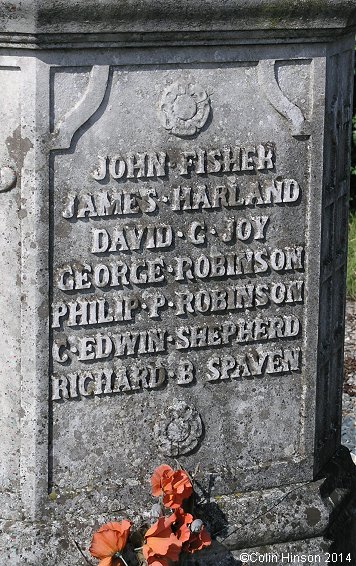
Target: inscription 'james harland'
(124,279)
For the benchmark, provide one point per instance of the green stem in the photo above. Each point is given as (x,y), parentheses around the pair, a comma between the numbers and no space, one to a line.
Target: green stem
(82,553)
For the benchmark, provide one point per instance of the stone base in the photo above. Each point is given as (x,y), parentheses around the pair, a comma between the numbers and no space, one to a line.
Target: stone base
(307,551)
(299,523)
(307,511)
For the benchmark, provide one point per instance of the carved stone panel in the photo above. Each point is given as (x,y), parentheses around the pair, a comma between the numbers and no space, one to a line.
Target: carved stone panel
(181,252)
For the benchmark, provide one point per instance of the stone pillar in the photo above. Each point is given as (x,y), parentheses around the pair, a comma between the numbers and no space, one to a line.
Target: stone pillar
(173,211)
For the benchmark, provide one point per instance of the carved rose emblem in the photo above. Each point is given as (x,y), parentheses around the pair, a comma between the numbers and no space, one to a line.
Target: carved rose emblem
(180,430)
(184,108)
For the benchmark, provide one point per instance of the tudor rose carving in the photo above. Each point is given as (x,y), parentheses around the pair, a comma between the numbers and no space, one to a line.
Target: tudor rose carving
(180,430)
(184,108)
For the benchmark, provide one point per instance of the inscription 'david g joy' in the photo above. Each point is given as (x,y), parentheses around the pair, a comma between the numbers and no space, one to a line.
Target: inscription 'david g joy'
(119,285)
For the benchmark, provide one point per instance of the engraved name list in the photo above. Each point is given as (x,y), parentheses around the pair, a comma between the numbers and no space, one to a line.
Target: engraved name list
(180,273)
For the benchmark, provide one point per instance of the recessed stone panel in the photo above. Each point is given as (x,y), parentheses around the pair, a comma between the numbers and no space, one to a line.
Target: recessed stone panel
(180,258)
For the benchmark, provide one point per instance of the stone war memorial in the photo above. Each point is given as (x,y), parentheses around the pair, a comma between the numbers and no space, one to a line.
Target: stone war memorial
(173,217)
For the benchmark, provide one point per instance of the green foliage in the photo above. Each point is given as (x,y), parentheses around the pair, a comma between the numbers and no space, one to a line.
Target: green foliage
(351,261)
(353,160)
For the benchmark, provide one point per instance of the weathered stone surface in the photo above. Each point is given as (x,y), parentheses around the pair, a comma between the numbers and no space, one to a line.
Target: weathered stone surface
(303,551)
(275,521)
(313,17)
(174,237)
(308,551)
(150,251)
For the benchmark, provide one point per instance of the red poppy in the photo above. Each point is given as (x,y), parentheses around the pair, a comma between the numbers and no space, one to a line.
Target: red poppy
(174,485)
(161,544)
(197,541)
(109,541)
(156,479)
(181,525)
(154,560)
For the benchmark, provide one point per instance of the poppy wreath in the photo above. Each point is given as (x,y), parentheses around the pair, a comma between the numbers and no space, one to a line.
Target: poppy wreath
(173,534)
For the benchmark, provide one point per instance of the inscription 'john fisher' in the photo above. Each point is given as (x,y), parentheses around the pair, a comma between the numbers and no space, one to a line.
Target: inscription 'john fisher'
(145,289)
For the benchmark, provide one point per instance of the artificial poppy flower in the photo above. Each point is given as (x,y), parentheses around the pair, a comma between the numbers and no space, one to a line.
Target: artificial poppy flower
(174,485)
(181,524)
(197,541)
(155,560)
(156,479)
(161,544)
(109,541)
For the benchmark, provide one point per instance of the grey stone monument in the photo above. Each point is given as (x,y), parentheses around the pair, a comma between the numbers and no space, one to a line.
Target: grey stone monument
(173,213)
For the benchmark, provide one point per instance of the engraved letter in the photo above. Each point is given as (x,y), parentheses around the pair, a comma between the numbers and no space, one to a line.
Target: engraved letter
(187,162)
(59,388)
(58,352)
(66,283)
(196,233)
(100,172)
(100,241)
(117,167)
(261,222)
(291,190)
(68,211)
(86,349)
(264,161)
(156,162)
(156,302)
(137,161)
(60,311)
(185,373)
